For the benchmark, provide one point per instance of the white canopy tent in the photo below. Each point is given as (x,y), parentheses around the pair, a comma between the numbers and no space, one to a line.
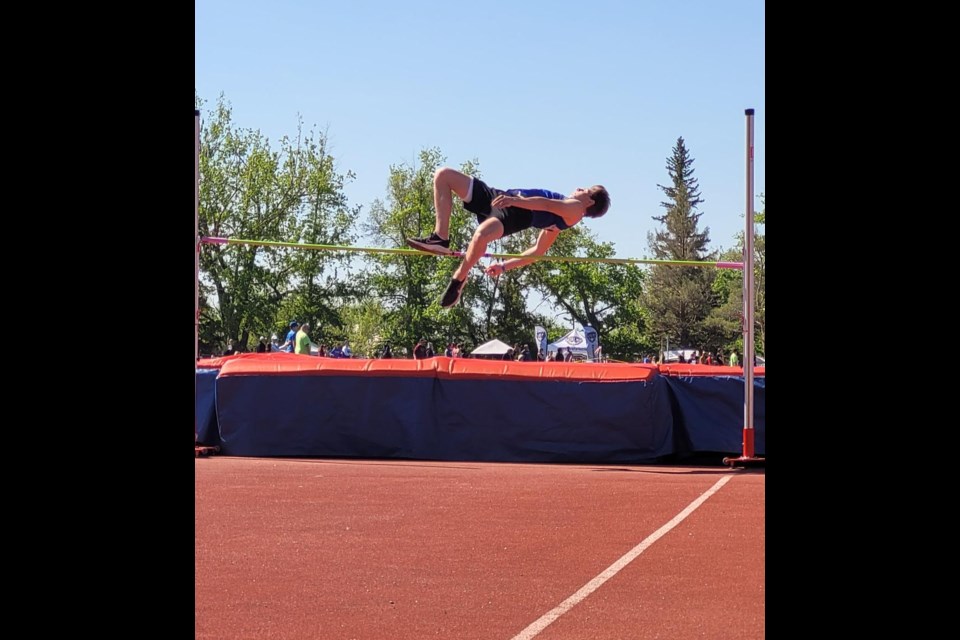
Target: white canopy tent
(576,341)
(492,348)
(678,355)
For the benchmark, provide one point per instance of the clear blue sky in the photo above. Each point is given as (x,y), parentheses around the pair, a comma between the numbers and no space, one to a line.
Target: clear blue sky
(543,94)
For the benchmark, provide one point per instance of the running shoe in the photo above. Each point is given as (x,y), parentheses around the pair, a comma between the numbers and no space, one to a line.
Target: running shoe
(452,295)
(431,244)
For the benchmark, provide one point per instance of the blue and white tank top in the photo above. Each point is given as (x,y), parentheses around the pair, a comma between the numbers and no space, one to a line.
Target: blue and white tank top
(542,219)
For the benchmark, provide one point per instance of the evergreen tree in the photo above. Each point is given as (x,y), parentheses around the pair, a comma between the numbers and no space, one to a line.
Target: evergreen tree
(679,298)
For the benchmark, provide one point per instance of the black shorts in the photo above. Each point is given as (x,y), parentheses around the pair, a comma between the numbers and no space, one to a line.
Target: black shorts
(514,219)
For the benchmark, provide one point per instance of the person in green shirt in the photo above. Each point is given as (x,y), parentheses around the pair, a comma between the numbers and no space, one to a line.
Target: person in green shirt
(303,342)
(733,359)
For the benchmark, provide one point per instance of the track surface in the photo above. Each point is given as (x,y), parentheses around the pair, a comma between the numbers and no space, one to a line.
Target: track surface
(405,550)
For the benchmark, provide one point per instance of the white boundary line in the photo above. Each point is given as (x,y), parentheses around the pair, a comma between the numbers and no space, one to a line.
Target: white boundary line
(548,618)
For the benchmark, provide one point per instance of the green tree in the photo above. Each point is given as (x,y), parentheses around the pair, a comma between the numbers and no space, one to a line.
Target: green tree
(726,320)
(501,305)
(411,285)
(249,191)
(601,295)
(363,326)
(408,284)
(760,277)
(678,298)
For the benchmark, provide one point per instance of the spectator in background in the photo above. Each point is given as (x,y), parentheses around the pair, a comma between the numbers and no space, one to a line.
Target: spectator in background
(322,351)
(456,350)
(386,352)
(734,362)
(345,350)
(336,352)
(262,346)
(420,350)
(291,340)
(449,351)
(303,341)
(430,351)
(646,359)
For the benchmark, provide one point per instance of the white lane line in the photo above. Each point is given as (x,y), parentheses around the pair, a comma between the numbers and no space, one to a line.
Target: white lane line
(547,618)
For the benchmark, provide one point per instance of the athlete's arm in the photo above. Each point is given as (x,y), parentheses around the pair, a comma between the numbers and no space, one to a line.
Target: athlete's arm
(544,240)
(570,209)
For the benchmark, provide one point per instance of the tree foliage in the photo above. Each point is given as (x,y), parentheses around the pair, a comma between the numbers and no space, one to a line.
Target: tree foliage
(409,285)
(760,277)
(296,194)
(727,318)
(600,295)
(249,191)
(412,284)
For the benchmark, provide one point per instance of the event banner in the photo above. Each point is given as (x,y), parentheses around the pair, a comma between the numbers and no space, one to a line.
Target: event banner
(540,334)
(591,335)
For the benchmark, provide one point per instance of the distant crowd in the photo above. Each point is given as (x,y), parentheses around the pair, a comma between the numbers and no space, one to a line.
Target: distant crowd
(297,340)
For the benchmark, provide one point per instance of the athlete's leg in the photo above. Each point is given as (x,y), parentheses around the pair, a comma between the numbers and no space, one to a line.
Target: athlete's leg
(447,181)
(491,229)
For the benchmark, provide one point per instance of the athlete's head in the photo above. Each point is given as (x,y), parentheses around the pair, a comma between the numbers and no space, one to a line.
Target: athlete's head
(601,200)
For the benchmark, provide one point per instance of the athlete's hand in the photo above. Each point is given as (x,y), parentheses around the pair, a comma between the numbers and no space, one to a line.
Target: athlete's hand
(503,200)
(495,270)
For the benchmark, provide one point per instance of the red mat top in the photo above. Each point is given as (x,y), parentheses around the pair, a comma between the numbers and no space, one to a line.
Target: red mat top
(440,367)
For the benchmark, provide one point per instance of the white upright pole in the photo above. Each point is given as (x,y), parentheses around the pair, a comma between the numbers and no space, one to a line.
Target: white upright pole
(748,300)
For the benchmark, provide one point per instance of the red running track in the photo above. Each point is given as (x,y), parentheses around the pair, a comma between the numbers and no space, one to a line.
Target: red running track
(405,550)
